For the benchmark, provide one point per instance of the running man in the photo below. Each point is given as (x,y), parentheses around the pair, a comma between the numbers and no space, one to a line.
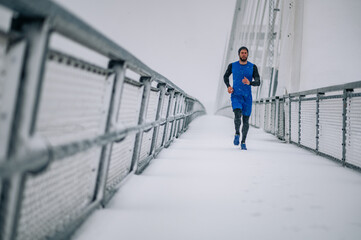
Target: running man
(241,94)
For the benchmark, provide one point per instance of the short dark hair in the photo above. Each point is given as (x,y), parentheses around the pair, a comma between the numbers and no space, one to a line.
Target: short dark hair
(242,48)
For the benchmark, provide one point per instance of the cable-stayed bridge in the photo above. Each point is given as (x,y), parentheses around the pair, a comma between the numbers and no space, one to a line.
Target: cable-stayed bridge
(74,133)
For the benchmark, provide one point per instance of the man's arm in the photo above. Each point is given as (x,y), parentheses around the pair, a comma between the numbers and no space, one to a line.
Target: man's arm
(227,74)
(257,80)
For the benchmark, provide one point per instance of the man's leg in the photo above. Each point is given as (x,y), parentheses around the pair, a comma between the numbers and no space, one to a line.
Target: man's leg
(237,119)
(237,124)
(245,128)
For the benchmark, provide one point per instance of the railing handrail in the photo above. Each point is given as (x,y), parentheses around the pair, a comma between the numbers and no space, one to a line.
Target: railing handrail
(334,88)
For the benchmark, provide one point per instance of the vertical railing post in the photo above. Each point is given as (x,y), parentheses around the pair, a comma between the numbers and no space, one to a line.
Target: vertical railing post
(259,114)
(344,123)
(258,119)
(283,126)
(170,103)
(188,111)
(255,113)
(119,69)
(162,88)
(142,118)
(264,115)
(185,112)
(179,111)
(36,33)
(14,55)
(274,117)
(319,94)
(173,128)
(299,118)
(289,118)
(176,110)
(277,109)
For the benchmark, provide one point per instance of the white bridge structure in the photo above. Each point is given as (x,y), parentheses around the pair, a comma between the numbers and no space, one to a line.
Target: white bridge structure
(121,152)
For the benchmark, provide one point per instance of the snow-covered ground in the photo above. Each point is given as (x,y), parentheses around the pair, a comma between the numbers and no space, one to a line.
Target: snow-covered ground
(202,187)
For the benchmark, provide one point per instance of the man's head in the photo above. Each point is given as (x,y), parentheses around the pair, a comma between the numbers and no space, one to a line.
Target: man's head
(243,54)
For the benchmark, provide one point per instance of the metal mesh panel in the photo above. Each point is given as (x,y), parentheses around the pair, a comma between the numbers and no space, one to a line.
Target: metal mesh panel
(294,121)
(146,143)
(353,131)
(169,131)
(273,117)
(53,199)
(257,112)
(254,114)
(160,136)
(122,153)
(262,115)
(181,125)
(330,136)
(252,119)
(120,161)
(287,118)
(152,106)
(151,115)
(267,117)
(74,103)
(281,120)
(308,124)
(178,105)
(128,113)
(173,106)
(266,113)
(183,109)
(165,107)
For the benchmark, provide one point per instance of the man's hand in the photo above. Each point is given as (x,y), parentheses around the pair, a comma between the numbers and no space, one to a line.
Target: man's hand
(245,81)
(230,89)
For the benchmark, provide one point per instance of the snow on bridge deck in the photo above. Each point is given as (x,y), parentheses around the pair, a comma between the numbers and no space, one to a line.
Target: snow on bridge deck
(203,187)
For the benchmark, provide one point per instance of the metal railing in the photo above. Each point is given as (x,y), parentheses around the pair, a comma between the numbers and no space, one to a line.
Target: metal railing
(325,120)
(72,131)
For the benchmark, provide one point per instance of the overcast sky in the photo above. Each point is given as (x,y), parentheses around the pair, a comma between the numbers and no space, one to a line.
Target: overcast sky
(182,40)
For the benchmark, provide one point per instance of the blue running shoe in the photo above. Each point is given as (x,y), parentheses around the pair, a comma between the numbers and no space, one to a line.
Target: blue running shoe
(243,146)
(236,140)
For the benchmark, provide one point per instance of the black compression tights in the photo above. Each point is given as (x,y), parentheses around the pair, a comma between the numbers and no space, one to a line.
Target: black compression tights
(237,123)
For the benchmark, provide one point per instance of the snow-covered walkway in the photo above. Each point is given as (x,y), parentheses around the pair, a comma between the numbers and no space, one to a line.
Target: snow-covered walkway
(203,187)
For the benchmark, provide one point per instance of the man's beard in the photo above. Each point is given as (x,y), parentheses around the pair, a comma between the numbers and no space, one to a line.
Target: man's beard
(243,59)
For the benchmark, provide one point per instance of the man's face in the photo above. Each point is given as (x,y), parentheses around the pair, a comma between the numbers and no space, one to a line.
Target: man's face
(243,55)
